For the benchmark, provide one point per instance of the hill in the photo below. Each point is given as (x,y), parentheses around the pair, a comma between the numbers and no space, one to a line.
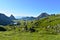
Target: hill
(47,28)
(49,24)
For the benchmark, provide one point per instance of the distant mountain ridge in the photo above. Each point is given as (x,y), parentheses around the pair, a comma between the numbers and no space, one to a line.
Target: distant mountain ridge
(42,15)
(27,18)
(4,20)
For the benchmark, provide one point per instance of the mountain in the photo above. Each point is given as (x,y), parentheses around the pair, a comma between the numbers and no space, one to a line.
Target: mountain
(28,18)
(4,20)
(42,15)
(12,17)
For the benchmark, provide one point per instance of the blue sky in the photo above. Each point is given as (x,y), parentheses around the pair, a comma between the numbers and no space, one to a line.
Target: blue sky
(29,7)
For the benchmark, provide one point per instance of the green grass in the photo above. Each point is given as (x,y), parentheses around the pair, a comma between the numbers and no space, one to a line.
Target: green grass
(11,35)
(42,34)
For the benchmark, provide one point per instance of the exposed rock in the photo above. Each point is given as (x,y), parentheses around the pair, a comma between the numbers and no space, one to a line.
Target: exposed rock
(12,17)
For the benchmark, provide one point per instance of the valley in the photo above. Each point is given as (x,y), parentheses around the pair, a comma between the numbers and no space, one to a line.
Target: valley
(46,28)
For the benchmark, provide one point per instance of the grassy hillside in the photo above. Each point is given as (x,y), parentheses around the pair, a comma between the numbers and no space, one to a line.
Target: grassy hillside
(47,28)
(50,24)
(51,20)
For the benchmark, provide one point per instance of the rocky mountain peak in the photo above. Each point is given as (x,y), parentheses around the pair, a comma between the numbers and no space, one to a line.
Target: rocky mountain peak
(12,17)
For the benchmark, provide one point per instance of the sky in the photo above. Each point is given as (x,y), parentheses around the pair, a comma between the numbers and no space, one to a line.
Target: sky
(29,7)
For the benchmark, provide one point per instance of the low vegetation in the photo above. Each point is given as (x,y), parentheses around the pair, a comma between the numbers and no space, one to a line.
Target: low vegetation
(47,28)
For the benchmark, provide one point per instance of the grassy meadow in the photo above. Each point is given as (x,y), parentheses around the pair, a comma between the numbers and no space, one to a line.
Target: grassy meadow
(47,28)
(11,35)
